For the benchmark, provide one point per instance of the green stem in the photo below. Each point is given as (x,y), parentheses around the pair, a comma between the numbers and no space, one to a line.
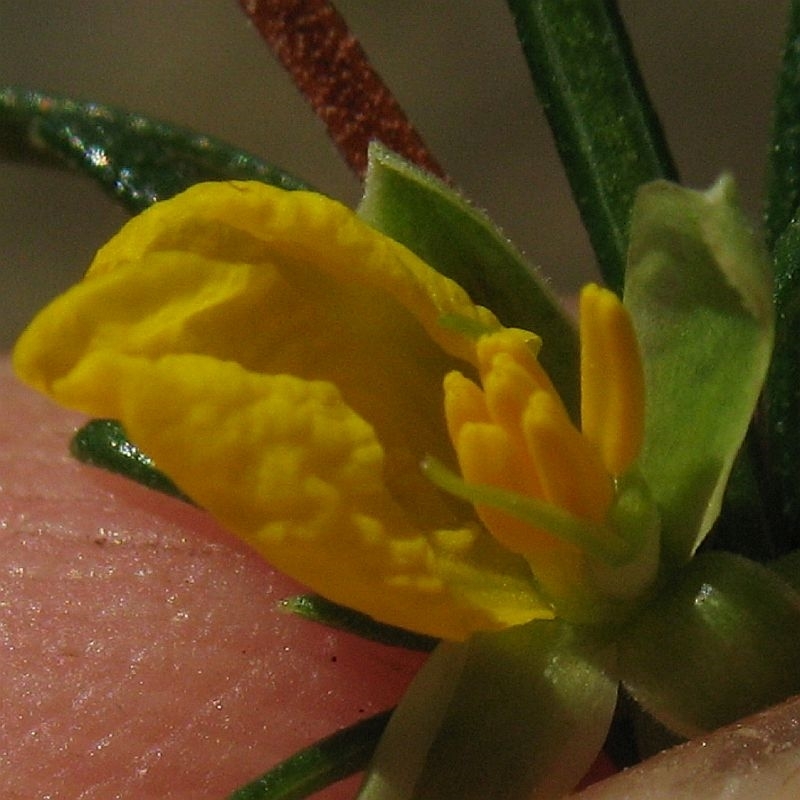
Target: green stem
(606,130)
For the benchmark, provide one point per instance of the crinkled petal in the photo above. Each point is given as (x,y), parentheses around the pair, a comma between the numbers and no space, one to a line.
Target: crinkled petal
(282,362)
(290,468)
(249,221)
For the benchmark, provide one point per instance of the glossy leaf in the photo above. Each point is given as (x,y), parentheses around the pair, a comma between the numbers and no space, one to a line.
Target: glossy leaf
(517,714)
(104,443)
(720,643)
(437,224)
(699,291)
(783,173)
(135,159)
(605,128)
(328,761)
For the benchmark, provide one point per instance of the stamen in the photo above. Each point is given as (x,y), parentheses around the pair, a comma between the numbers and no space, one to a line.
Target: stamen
(596,540)
(570,469)
(463,402)
(490,456)
(612,379)
(507,388)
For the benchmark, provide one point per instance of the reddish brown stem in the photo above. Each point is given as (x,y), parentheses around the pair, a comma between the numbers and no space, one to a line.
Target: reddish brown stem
(329,66)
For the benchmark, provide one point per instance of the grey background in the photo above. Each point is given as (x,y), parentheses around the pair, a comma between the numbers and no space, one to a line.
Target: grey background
(454,64)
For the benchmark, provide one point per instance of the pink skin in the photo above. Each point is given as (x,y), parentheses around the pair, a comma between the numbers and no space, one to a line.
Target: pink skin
(757,758)
(141,651)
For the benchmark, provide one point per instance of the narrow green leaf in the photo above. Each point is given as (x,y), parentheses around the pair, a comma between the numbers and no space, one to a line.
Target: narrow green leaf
(516,714)
(699,291)
(135,159)
(721,642)
(437,224)
(779,424)
(330,760)
(104,443)
(318,609)
(605,128)
(783,168)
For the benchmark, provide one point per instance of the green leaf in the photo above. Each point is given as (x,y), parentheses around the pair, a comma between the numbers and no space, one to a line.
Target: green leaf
(516,714)
(699,292)
(437,224)
(104,443)
(783,168)
(721,642)
(330,760)
(605,128)
(135,159)
(779,424)
(317,609)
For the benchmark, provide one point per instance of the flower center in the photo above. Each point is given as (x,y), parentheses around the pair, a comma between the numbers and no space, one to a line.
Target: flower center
(542,486)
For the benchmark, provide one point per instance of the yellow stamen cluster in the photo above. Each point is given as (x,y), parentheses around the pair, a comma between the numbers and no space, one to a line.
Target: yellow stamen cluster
(514,433)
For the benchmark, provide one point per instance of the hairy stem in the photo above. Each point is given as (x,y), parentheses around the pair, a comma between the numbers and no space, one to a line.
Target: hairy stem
(328,65)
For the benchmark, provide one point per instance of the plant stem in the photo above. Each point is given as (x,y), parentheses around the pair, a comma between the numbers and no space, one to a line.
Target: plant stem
(328,65)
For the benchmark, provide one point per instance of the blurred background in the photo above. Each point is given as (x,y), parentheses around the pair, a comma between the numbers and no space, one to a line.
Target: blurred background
(455,66)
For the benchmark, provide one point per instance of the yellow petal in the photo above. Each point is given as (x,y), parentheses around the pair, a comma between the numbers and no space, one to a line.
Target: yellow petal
(288,466)
(216,326)
(251,222)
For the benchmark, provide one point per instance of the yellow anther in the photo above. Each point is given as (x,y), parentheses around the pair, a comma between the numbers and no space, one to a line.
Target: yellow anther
(488,456)
(569,467)
(521,346)
(507,387)
(463,402)
(612,379)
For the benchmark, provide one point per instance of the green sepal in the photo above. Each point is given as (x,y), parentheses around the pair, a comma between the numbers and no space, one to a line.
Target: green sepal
(604,125)
(135,159)
(327,761)
(721,641)
(104,443)
(435,222)
(521,713)
(315,608)
(698,288)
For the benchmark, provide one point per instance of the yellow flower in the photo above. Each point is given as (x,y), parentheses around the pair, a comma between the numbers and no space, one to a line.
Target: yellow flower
(283,363)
